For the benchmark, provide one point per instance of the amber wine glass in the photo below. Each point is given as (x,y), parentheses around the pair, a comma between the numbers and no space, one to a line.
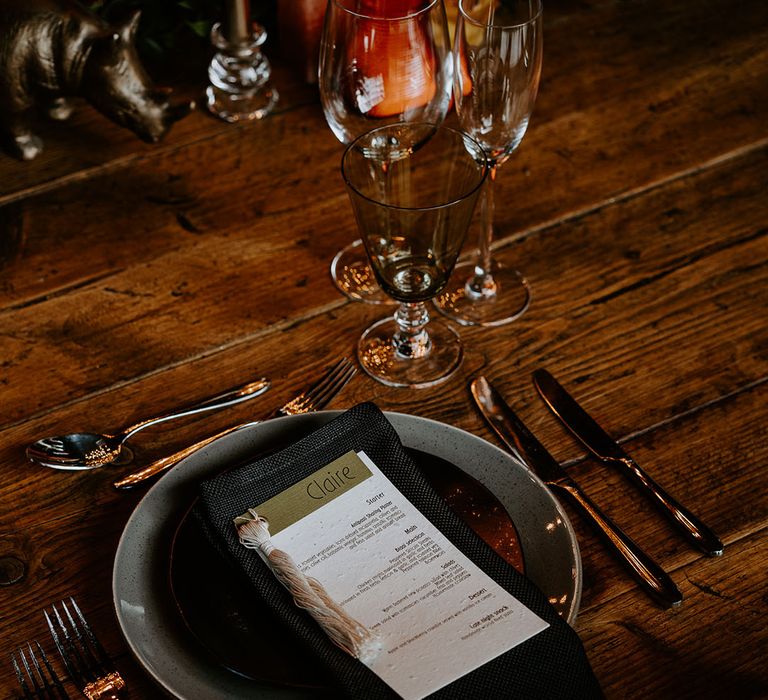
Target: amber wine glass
(413,189)
(381,62)
(498,54)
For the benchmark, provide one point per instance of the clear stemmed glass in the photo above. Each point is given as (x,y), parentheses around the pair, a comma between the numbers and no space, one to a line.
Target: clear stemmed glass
(381,62)
(413,189)
(498,49)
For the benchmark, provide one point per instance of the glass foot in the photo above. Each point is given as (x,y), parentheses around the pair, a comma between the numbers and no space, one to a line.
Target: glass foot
(238,75)
(378,357)
(241,107)
(506,300)
(354,277)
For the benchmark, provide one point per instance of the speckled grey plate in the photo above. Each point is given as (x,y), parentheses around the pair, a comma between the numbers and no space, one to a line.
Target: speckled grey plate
(146,609)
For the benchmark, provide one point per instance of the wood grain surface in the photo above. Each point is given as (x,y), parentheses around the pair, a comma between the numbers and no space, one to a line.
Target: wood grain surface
(135,279)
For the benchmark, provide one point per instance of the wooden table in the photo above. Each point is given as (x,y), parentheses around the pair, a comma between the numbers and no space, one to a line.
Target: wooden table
(134,279)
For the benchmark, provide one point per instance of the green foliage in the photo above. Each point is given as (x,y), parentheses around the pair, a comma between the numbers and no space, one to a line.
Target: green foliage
(169,28)
(165,24)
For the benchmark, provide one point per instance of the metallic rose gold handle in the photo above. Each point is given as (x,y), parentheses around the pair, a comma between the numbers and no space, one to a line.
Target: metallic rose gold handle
(160,465)
(685,521)
(228,398)
(107,687)
(653,579)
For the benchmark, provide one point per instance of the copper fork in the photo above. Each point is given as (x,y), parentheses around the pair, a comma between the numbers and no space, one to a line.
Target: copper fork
(318,396)
(83,655)
(36,680)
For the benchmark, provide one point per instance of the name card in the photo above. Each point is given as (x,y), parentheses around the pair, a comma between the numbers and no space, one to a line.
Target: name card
(309,494)
(435,615)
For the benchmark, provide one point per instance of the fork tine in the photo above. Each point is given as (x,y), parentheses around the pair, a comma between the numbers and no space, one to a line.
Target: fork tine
(37,680)
(329,377)
(73,660)
(84,651)
(54,678)
(19,675)
(310,398)
(93,653)
(81,652)
(323,399)
(44,685)
(303,402)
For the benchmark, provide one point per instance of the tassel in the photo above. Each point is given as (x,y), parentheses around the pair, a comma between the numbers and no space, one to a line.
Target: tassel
(308,593)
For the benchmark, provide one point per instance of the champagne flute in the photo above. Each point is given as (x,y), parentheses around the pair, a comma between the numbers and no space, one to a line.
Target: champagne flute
(381,62)
(413,189)
(498,53)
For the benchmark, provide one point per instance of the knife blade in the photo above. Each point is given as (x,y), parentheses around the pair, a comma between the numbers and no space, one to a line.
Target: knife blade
(606,449)
(523,444)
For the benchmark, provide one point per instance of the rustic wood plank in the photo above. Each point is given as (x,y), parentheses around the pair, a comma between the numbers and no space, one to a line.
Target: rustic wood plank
(76,491)
(64,159)
(641,327)
(575,157)
(714,646)
(206,194)
(662,255)
(52,537)
(693,458)
(61,561)
(626,119)
(134,279)
(309,353)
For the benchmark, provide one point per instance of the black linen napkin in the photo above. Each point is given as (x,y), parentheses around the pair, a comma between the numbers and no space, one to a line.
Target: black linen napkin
(551,664)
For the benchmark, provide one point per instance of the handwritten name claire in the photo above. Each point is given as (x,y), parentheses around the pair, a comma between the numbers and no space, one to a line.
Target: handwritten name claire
(324,485)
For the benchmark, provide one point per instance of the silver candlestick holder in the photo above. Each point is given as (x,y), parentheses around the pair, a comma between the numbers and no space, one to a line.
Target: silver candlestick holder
(239,73)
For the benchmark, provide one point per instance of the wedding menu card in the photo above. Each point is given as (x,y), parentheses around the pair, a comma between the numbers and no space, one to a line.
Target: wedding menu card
(435,615)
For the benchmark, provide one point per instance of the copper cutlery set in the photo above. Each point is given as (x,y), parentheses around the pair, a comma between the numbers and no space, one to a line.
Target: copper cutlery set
(85,660)
(522,443)
(81,451)
(313,399)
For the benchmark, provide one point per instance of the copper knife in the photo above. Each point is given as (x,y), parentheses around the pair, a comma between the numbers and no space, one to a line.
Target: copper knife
(522,443)
(607,450)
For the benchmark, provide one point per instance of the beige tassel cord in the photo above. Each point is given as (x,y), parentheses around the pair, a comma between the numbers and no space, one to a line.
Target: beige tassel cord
(308,593)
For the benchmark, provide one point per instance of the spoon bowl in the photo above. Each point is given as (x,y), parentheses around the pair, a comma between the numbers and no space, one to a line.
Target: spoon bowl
(80,451)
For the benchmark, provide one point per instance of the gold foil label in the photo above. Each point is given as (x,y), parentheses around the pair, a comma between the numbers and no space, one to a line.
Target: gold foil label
(311,493)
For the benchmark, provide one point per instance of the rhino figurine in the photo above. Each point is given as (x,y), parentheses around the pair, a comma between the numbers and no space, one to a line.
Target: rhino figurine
(51,50)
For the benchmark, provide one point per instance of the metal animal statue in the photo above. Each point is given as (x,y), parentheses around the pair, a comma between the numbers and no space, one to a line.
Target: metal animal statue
(51,50)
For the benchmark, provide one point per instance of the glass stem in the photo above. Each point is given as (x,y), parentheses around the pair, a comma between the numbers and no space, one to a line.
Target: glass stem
(411,339)
(482,284)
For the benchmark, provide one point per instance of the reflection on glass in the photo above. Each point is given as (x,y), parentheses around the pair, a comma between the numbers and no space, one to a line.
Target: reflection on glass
(413,188)
(498,53)
(381,62)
